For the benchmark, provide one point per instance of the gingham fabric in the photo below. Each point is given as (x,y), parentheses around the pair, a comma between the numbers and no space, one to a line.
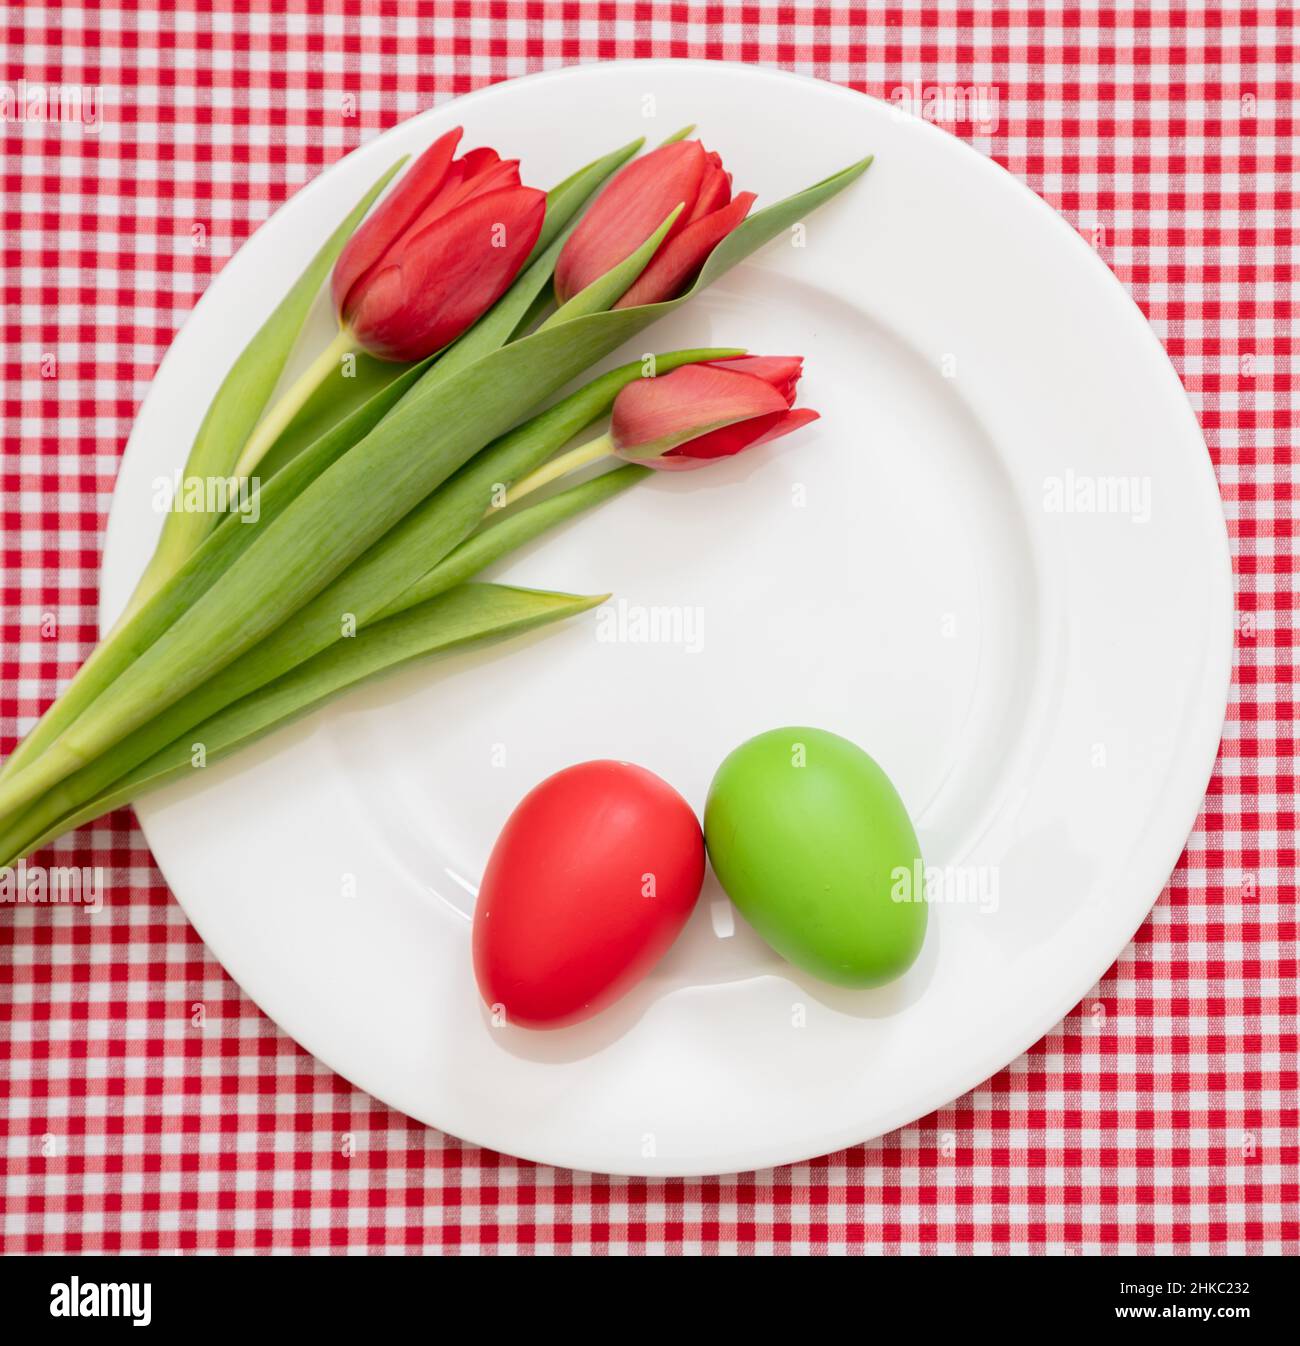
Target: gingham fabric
(134,1122)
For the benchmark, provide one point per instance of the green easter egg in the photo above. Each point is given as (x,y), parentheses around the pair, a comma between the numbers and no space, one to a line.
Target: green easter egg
(811,841)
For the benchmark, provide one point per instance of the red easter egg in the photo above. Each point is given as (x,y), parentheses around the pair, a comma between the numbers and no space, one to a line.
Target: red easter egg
(592,878)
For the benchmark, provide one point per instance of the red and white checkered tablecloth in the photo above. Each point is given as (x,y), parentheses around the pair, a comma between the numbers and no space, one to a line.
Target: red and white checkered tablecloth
(133,1124)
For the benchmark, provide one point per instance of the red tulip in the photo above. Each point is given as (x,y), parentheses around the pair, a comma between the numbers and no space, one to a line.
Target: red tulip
(438,252)
(635,204)
(702,412)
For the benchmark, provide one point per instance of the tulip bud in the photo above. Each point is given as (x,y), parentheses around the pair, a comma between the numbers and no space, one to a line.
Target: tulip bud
(628,211)
(438,252)
(702,412)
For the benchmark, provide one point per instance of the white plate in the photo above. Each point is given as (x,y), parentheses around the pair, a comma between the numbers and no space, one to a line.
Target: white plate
(1046,686)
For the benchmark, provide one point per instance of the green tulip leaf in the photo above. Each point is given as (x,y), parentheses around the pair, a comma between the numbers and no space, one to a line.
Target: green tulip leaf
(467,614)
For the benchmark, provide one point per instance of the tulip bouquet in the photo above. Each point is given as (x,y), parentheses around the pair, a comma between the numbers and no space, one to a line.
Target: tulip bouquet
(412,453)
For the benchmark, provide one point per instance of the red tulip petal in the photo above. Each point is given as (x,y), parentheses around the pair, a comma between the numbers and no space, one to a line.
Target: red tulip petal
(464,183)
(715,190)
(676,263)
(782,372)
(732,439)
(628,211)
(451,186)
(479,160)
(690,401)
(390,219)
(436,283)
(501,173)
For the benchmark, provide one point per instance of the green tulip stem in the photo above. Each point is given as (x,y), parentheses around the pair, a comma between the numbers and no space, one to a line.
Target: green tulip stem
(591,452)
(276,421)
